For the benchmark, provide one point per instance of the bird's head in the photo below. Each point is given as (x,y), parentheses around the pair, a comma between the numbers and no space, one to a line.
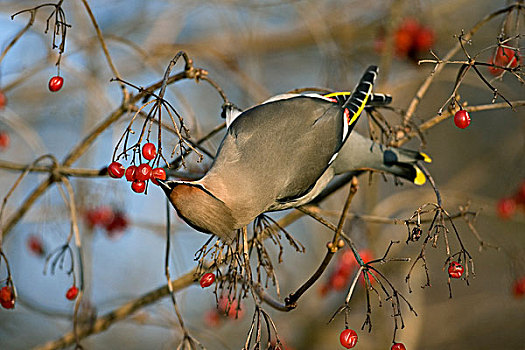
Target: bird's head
(200,209)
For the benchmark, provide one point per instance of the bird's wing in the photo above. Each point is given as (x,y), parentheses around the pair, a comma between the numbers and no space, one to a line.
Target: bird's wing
(277,150)
(288,143)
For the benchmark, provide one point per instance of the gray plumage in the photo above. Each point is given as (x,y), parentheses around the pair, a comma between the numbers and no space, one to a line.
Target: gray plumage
(281,154)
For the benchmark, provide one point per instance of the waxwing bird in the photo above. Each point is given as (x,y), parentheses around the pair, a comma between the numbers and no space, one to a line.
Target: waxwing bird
(282,154)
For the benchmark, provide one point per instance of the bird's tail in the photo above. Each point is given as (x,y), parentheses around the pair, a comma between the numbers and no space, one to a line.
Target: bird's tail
(377,100)
(357,101)
(360,153)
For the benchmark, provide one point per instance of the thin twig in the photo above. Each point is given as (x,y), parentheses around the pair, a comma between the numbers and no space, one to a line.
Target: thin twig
(105,49)
(439,67)
(19,35)
(447,114)
(332,248)
(104,322)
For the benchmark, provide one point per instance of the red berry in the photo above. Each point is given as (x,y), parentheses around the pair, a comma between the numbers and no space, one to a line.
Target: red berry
(130,173)
(507,57)
(339,281)
(455,269)
(506,207)
(229,308)
(406,36)
(143,172)
(99,216)
(398,346)
(116,170)
(347,259)
(7,297)
(462,119)
(158,173)
(72,293)
(410,38)
(5,140)
(403,42)
(504,57)
(138,186)
(55,83)
(149,151)
(366,255)
(345,268)
(518,287)
(348,338)
(118,223)
(34,244)
(207,280)
(493,70)
(424,39)
(8,304)
(3,100)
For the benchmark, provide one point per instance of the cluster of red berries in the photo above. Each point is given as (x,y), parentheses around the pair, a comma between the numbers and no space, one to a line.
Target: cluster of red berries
(462,119)
(7,297)
(455,269)
(72,293)
(410,39)
(139,175)
(507,206)
(207,280)
(518,288)
(345,267)
(504,57)
(225,310)
(35,245)
(55,83)
(111,220)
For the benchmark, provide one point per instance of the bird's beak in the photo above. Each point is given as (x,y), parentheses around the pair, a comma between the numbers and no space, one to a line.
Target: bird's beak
(165,186)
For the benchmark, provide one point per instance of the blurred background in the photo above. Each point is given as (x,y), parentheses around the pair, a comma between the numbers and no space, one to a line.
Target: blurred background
(253,50)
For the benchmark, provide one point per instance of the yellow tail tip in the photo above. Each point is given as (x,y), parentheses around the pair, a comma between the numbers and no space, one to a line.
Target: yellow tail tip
(420,177)
(426,158)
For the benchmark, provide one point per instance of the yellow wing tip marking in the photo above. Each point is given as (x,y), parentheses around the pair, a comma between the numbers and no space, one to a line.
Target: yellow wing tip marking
(426,158)
(338,93)
(361,108)
(420,177)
